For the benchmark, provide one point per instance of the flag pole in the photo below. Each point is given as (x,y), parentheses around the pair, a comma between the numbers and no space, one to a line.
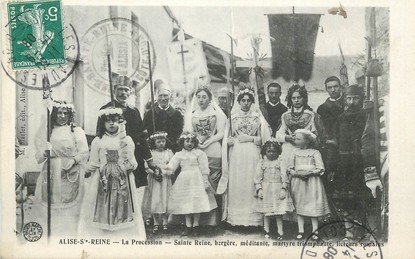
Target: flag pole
(232,85)
(151,86)
(47,95)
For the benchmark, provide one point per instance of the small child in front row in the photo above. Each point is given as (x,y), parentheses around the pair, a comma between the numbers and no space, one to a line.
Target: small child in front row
(272,188)
(307,189)
(189,196)
(159,183)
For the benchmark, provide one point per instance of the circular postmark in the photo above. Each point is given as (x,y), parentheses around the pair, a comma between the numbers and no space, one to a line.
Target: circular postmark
(32,231)
(330,243)
(32,52)
(126,43)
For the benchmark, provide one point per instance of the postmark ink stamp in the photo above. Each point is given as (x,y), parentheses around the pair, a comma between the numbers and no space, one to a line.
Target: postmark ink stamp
(32,231)
(35,34)
(126,42)
(331,243)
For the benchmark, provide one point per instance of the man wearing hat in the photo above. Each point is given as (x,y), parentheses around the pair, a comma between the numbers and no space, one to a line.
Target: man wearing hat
(356,182)
(223,99)
(134,128)
(167,118)
(274,107)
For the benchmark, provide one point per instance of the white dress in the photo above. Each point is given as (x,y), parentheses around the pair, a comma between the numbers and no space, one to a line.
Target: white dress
(91,223)
(66,185)
(243,159)
(188,194)
(157,195)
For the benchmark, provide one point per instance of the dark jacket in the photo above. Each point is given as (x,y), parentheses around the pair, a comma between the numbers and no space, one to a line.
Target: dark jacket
(170,121)
(329,111)
(273,115)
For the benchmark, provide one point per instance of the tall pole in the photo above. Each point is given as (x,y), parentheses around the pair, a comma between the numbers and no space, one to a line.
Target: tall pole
(49,190)
(233,87)
(46,95)
(110,70)
(368,80)
(151,87)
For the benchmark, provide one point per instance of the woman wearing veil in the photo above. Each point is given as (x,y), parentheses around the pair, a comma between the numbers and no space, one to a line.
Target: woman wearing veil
(68,154)
(241,145)
(207,120)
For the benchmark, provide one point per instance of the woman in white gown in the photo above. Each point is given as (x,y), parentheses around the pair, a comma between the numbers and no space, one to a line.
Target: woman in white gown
(68,154)
(241,144)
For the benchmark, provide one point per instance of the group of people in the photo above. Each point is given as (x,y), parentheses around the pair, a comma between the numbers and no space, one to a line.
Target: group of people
(244,166)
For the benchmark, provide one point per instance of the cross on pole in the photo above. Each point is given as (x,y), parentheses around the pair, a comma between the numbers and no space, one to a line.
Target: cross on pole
(182,52)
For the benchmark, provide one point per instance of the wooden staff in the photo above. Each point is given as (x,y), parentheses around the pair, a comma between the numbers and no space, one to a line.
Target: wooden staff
(46,95)
(150,73)
(232,90)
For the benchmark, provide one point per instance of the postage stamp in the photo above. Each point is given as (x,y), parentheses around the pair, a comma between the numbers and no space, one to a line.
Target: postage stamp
(35,34)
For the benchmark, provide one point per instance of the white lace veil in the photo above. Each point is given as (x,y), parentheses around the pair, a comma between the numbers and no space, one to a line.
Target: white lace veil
(265,135)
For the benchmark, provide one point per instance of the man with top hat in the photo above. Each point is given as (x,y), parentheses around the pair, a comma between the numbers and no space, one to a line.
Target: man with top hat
(134,128)
(223,99)
(167,118)
(357,181)
(329,111)
(274,107)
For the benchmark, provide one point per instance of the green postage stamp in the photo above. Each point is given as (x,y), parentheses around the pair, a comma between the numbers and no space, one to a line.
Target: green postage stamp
(36,34)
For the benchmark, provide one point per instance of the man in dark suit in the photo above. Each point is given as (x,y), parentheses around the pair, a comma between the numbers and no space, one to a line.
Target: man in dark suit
(167,118)
(134,128)
(274,107)
(329,111)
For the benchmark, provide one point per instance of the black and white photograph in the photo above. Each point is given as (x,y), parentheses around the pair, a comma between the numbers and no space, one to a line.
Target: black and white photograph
(184,127)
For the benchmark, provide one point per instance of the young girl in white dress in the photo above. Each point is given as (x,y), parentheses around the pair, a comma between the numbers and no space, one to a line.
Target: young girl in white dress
(110,207)
(307,190)
(271,185)
(189,194)
(159,182)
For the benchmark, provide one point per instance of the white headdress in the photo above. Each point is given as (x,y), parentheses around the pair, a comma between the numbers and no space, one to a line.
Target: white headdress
(110,111)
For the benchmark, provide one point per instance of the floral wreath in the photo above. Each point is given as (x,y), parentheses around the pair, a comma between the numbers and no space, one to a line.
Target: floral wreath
(246,91)
(158,135)
(110,111)
(56,104)
(187,135)
(204,87)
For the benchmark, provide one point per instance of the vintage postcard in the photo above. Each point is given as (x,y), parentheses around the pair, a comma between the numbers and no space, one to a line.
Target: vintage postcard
(181,130)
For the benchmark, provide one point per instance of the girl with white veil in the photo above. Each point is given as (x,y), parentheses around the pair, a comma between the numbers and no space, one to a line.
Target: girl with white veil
(206,119)
(68,154)
(240,155)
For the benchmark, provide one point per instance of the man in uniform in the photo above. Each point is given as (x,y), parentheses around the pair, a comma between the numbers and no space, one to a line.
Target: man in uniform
(167,118)
(274,107)
(357,181)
